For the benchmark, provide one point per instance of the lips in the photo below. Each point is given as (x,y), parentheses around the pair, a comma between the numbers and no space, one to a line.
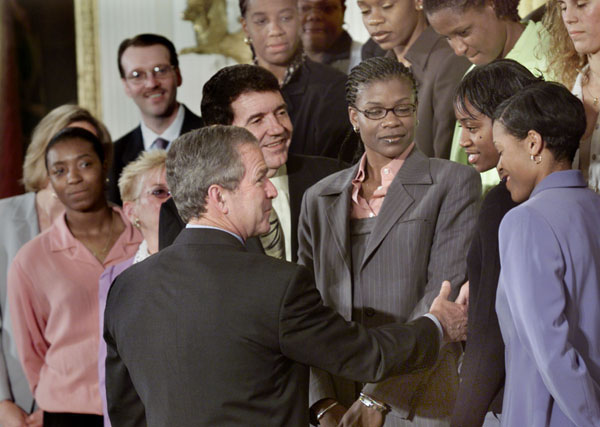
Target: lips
(275,144)
(381,36)
(472,157)
(154,94)
(278,47)
(392,139)
(313,29)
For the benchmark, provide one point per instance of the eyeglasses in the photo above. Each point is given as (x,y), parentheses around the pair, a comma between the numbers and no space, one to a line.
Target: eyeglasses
(160,193)
(378,113)
(158,72)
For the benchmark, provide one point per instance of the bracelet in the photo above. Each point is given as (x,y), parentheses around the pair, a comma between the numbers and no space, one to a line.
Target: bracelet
(369,402)
(322,411)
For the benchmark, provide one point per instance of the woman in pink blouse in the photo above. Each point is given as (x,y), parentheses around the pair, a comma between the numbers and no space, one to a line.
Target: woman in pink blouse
(53,283)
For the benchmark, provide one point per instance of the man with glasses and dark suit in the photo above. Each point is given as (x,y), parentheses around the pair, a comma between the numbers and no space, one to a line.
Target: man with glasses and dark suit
(150,74)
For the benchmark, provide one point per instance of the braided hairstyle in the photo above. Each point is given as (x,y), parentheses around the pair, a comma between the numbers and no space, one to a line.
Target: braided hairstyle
(376,69)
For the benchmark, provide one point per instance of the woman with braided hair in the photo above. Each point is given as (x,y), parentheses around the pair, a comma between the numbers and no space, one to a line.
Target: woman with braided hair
(380,237)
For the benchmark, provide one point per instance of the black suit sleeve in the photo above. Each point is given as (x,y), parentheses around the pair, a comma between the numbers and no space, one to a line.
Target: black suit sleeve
(316,335)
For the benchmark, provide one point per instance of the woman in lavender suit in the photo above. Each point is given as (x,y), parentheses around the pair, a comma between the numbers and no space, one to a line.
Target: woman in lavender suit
(549,289)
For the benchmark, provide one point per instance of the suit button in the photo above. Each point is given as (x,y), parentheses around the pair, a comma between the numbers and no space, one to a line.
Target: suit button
(369,312)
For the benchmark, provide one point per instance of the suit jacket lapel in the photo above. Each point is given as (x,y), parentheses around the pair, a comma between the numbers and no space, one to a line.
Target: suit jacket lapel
(338,213)
(415,171)
(296,186)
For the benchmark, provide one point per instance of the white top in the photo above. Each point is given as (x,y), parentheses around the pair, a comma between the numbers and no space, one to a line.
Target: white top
(593,172)
(172,132)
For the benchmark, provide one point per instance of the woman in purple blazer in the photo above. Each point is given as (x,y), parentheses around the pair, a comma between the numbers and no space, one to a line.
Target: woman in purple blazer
(549,292)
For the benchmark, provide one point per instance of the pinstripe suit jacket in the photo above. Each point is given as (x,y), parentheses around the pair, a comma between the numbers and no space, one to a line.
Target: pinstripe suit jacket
(420,238)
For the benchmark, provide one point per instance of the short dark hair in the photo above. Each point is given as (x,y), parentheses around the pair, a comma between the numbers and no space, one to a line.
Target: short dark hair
(201,158)
(504,8)
(76,133)
(551,110)
(227,85)
(143,40)
(376,69)
(485,87)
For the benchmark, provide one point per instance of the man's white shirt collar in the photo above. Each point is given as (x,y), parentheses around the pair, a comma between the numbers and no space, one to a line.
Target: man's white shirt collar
(171,133)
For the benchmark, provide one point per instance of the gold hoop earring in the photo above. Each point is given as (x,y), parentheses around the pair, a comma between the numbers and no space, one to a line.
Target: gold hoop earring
(248,41)
(356,129)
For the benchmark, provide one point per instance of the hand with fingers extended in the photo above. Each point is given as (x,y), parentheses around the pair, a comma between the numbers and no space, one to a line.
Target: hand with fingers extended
(451,315)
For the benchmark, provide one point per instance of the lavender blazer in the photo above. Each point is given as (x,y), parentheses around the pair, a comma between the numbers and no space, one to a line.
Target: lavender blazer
(105,282)
(548,305)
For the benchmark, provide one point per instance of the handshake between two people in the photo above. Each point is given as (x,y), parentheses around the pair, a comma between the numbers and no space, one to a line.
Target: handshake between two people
(452,315)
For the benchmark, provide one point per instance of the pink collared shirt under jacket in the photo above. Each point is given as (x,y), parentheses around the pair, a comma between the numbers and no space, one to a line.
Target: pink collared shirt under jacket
(53,299)
(363,208)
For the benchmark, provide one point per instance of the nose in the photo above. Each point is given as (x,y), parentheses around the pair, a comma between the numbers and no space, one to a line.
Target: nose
(313,14)
(500,167)
(73,176)
(464,140)
(375,18)
(151,80)
(270,190)
(391,120)
(274,29)
(275,127)
(568,14)
(459,47)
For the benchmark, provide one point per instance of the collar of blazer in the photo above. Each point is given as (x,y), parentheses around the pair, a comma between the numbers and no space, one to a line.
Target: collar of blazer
(414,171)
(207,236)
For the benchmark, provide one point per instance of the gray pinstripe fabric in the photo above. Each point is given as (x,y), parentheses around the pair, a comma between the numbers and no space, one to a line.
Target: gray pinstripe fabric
(420,238)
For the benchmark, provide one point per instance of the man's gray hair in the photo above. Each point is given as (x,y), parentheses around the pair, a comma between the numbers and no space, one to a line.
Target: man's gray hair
(201,158)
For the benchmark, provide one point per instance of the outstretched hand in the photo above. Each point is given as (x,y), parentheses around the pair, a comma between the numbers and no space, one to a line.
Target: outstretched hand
(451,315)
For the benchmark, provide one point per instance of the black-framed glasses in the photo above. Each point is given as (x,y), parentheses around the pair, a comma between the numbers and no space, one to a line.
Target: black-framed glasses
(378,113)
(160,71)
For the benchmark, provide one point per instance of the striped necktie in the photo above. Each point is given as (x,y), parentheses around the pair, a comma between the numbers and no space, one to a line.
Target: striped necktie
(159,143)
(272,241)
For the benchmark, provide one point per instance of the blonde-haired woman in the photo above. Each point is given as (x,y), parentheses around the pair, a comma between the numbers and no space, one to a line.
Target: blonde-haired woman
(24,217)
(574,54)
(143,189)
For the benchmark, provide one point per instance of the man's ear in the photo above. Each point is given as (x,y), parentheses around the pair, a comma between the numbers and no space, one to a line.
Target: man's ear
(216,197)
(179,78)
(535,143)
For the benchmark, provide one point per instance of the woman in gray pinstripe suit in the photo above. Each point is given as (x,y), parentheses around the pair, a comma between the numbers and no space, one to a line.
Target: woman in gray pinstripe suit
(380,238)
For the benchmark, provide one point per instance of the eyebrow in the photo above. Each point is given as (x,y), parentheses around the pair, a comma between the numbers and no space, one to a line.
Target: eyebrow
(400,101)
(262,113)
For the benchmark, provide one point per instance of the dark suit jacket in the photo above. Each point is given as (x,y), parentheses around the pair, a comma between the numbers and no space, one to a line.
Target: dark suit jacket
(303,171)
(128,147)
(316,101)
(482,373)
(205,333)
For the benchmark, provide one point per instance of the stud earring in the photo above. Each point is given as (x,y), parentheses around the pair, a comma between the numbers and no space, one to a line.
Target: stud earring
(136,223)
(248,41)
(356,129)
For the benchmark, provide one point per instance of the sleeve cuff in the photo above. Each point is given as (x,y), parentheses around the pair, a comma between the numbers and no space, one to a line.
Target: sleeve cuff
(438,324)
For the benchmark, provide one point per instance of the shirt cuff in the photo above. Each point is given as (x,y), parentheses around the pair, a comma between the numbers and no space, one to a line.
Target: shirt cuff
(439,326)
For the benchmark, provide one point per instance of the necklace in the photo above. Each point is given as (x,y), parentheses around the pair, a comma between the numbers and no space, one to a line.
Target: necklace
(105,248)
(595,99)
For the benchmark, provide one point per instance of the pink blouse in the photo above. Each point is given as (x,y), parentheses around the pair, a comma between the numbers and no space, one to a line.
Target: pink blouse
(53,299)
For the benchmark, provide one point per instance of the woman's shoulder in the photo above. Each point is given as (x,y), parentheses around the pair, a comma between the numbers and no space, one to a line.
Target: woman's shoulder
(18,207)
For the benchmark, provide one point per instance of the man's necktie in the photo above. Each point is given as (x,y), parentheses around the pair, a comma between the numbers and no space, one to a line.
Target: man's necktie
(159,143)
(272,241)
